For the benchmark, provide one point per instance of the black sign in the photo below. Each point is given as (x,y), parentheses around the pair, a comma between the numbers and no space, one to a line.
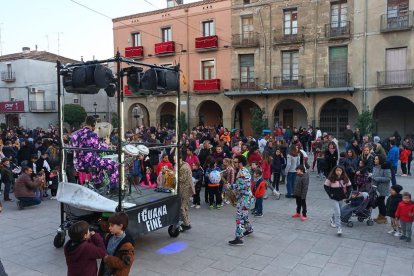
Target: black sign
(153,216)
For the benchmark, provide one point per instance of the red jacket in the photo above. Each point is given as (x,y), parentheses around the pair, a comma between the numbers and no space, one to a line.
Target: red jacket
(404,155)
(405,211)
(162,164)
(266,169)
(254,156)
(260,190)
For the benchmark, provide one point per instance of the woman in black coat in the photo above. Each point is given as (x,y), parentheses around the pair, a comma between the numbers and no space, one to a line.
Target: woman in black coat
(331,158)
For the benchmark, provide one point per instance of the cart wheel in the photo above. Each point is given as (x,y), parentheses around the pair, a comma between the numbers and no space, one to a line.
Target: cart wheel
(59,240)
(360,219)
(370,222)
(350,224)
(173,231)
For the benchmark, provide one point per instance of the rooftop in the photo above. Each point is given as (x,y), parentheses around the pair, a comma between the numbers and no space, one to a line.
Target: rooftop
(179,7)
(37,55)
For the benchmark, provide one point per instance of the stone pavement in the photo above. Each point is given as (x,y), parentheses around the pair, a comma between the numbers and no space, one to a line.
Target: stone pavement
(279,245)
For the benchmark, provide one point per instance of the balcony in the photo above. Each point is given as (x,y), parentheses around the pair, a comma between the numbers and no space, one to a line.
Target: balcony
(204,86)
(206,43)
(42,106)
(288,82)
(296,36)
(127,92)
(338,30)
(244,84)
(337,80)
(395,79)
(401,22)
(165,48)
(134,52)
(247,39)
(8,76)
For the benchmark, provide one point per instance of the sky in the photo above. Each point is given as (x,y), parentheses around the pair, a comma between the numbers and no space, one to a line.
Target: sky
(65,27)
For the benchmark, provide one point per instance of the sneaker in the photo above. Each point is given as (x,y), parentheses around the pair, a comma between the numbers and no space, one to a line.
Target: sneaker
(274,192)
(403,237)
(247,232)
(265,197)
(258,215)
(392,232)
(397,234)
(8,199)
(236,241)
(339,231)
(403,174)
(318,176)
(19,205)
(185,227)
(302,218)
(211,207)
(198,207)
(192,206)
(296,215)
(331,221)
(218,207)
(408,239)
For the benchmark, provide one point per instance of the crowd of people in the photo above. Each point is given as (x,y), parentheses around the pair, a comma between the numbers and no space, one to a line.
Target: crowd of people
(224,162)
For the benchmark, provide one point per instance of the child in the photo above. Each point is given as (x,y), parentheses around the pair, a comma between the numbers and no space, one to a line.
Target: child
(392,203)
(300,192)
(266,170)
(197,173)
(54,182)
(83,249)
(361,177)
(150,179)
(355,203)
(404,154)
(278,164)
(320,164)
(214,177)
(258,188)
(119,246)
(405,213)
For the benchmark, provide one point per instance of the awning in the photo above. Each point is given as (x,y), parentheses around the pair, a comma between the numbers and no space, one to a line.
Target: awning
(292,91)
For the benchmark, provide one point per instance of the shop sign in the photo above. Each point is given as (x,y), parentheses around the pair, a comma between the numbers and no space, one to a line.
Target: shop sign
(8,107)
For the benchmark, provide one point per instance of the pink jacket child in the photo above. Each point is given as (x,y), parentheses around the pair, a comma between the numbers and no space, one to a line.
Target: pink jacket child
(149,180)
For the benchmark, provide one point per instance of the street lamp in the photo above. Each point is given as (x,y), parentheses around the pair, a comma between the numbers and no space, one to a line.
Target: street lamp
(95,105)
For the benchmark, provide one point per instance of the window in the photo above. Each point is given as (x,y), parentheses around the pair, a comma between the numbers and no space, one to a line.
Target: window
(290,22)
(397,13)
(247,78)
(247,27)
(339,15)
(246,2)
(166,34)
(136,39)
(290,68)
(75,101)
(338,66)
(208,70)
(208,28)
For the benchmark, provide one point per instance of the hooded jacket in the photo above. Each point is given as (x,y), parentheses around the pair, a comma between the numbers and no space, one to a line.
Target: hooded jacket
(81,256)
(392,204)
(405,211)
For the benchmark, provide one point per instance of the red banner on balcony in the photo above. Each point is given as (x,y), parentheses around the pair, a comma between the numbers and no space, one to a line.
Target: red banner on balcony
(137,51)
(127,92)
(165,47)
(17,106)
(206,42)
(207,85)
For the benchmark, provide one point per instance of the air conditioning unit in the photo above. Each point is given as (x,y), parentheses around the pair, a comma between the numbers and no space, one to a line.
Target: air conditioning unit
(34,90)
(12,99)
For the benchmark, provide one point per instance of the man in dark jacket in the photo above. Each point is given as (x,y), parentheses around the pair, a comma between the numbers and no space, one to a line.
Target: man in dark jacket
(25,152)
(348,137)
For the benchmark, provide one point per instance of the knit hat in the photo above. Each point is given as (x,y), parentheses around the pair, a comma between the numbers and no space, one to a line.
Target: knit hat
(377,139)
(397,188)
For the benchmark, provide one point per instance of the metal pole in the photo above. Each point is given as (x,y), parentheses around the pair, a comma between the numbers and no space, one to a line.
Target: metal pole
(177,130)
(62,174)
(120,109)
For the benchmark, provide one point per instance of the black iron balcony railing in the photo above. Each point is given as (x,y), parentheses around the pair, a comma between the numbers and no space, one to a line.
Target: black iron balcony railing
(337,80)
(244,84)
(339,29)
(288,36)
(403,21)
(288,82)
(8,76)
(245,39)
(42,106)
(395,79)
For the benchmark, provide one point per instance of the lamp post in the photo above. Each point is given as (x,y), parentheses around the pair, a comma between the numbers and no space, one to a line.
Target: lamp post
(95,105)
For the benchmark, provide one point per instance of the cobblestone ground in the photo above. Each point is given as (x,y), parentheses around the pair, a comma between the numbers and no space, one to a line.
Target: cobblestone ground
(279,245)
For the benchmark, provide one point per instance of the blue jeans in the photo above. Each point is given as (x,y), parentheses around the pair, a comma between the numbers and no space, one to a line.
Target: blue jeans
(290,185)
(258,206)
(29,201)
(393,172)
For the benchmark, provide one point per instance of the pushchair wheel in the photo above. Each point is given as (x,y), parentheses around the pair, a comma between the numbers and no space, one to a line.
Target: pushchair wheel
(59,240)
(360,219)
(173,231)
(350,224)
(370,222)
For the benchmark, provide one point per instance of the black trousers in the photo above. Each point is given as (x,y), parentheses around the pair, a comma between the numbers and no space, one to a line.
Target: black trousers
(206,194)
(196,196)
(214,192)
(276,180)
(301,204)
(381,206)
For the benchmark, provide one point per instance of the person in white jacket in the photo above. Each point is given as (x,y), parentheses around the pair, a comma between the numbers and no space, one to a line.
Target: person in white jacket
(292,162)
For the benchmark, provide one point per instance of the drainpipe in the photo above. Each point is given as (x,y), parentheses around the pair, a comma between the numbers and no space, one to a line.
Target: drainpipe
(315,61)
(265,60)
(188,79)
(365,67)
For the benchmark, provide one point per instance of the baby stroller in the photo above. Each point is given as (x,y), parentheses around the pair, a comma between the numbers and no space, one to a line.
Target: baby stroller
(360,207)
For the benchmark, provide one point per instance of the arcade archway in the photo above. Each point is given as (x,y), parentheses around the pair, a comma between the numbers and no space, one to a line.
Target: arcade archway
(139,116)
(166,115)
(290,113)
(243,116)
(210,114)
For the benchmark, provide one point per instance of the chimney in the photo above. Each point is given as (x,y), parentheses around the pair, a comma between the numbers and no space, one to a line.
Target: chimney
(26,50)
(36,48)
